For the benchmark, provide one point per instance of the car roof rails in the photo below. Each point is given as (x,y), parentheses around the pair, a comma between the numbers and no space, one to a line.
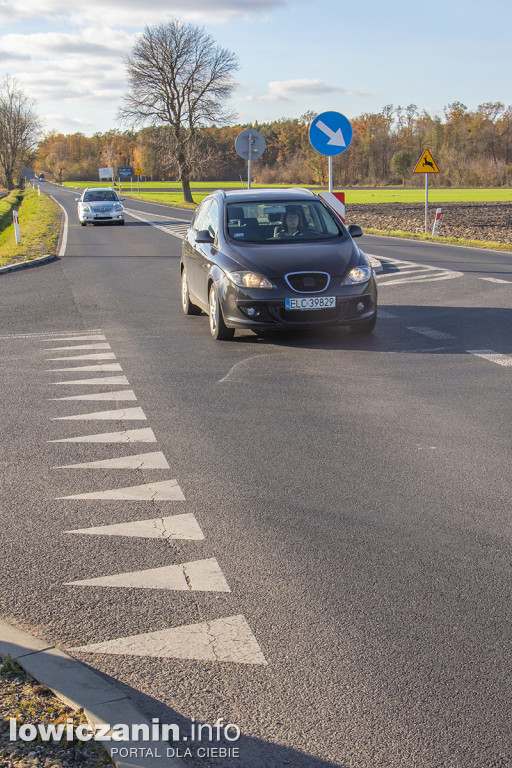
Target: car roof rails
(304,189)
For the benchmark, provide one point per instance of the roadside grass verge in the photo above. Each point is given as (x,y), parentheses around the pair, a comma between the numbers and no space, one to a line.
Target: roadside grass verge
(489,245)
(7,205)
(40,224)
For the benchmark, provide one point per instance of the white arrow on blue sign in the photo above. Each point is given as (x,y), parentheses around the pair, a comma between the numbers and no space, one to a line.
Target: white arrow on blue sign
(330,133)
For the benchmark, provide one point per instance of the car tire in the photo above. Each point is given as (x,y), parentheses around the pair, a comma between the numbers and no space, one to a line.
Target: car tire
(366,327)
(83,223)
(218,328)
(121,223)
(186,304)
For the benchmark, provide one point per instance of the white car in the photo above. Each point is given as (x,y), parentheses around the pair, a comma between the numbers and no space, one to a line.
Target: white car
(100,204)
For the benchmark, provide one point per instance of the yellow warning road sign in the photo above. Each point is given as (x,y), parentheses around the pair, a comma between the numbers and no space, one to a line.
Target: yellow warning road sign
(138,171)
(426,163)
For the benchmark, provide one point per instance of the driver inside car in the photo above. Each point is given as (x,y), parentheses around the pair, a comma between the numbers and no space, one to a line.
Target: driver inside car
(292,222)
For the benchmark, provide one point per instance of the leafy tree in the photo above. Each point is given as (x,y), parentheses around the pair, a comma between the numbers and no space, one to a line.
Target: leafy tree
(401,163)
(19,129)
(180,77)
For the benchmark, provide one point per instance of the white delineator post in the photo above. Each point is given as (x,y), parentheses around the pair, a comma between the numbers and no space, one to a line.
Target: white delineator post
(336,201)
(436,222)
(16,226)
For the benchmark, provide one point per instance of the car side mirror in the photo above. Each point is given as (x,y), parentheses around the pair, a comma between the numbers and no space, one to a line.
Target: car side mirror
(355,230)
(122,198)
(203,236)
(77,199)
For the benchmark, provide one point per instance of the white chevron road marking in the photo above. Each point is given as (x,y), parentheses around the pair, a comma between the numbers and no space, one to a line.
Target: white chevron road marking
(171,527)
(166,490)
(196,576)
(129,414)
(91,356)
(223,640)
(153,460)
(105,367)
(122,394)
(145,435)
(492,356)
(117,380)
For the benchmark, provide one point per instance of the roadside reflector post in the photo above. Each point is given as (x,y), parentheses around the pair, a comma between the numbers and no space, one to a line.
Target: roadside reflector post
(16,227)
(436,222)
(39,190)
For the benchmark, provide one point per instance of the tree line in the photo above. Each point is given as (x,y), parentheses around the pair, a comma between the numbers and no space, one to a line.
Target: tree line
(471,148)
(177,126)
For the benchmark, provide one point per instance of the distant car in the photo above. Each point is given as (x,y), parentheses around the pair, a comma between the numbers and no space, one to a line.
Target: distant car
(99,205)
(273,258)
(41,177)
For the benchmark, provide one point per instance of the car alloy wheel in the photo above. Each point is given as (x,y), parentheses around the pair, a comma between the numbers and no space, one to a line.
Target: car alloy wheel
(218,328)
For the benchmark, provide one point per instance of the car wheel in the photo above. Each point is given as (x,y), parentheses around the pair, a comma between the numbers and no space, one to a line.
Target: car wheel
(218,327)
(83,223)
(121,223)
(186,304)
(366,327)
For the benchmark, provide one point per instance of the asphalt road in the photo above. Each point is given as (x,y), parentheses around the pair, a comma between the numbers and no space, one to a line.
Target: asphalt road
(352,494)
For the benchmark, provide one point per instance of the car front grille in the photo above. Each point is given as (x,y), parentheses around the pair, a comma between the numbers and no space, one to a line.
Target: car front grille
(308,282)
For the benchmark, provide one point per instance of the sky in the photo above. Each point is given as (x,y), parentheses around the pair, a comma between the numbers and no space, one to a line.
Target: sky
(294,55)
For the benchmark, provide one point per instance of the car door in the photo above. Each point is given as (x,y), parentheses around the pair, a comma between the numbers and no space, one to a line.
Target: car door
(205,253)
(192,251)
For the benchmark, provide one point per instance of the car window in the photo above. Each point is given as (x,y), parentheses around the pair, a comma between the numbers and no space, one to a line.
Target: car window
(98,196)
(199,218)
(281,221)
(211,221)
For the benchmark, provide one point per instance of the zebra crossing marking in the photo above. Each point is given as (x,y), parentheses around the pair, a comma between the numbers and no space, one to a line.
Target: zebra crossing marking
(78,347)
(228,639)
(196,576)
(103,367)
(92,356)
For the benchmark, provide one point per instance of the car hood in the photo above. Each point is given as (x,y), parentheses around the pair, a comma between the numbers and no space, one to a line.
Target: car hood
(334,257)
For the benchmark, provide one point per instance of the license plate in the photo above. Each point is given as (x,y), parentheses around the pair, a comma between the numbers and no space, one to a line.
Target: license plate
(311,302)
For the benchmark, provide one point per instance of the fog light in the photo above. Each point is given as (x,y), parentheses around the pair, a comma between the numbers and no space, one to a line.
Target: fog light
(360,306)
(251,311)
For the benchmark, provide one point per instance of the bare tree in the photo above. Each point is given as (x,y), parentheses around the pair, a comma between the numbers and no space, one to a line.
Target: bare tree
(19,129)
(180,77)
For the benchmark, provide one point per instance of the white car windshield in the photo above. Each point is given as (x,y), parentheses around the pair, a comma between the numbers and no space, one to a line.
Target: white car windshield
(282,221)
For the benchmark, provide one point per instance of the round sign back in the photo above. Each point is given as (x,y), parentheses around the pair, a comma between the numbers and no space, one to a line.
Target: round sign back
(250,144)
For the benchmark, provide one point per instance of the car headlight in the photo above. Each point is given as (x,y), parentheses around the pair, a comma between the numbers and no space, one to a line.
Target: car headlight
(118,207)
(86,208)
(249,280)
(359,274)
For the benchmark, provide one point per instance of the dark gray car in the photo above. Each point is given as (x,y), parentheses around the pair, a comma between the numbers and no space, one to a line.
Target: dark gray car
(272,258)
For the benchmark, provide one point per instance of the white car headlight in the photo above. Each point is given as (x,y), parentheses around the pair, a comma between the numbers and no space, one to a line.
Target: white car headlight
(249,280)
(359,274)
(118,207)
(86,208)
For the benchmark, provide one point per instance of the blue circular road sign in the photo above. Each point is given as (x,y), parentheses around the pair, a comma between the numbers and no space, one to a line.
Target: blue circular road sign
(330,133)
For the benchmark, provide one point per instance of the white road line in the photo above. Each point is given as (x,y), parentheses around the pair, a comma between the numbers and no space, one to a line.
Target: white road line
(223,640)
(144,435)
(153,460)
(123,394)
(92,356)
(96,337)
(78,346)
(430,332)
(64,241)
(384,315)
(171,527)
(411,272)
(129,414)
(424,279)
(492,356)
(195,576)
(178,229)
(167,490)
(117,380)
(106,367)
(496,280)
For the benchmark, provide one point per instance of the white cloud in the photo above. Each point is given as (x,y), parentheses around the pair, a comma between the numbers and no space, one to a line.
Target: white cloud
(289,90)
(132,12)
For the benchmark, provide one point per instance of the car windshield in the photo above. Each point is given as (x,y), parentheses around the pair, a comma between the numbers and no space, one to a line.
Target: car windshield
(282,221)
(99,196)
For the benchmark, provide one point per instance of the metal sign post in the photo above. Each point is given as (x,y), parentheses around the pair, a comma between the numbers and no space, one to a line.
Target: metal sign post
(330,134)
(250,145)
(426,164)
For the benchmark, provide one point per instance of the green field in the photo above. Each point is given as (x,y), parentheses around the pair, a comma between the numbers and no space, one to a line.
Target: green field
(170,193)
